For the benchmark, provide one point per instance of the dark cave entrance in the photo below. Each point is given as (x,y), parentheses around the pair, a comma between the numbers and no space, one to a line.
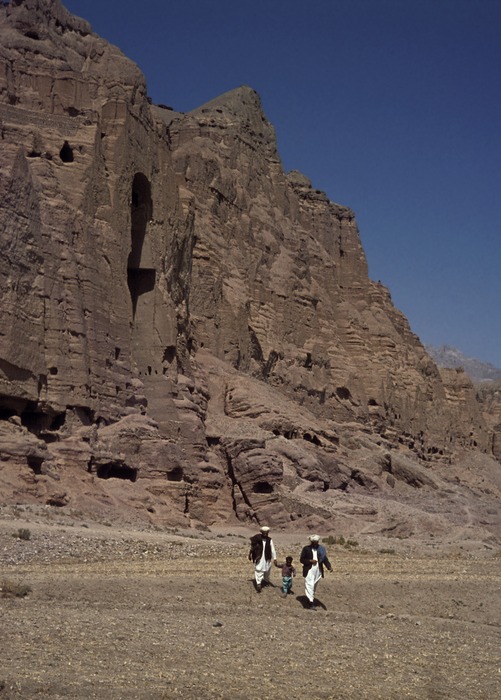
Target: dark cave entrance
(115,470)
(175,474)
(262,487)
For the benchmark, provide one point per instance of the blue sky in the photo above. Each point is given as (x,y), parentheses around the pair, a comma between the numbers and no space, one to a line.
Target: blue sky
(392,107)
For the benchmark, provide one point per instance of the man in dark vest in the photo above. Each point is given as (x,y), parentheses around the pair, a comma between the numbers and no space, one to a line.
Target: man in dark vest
(262,553)
(313,558)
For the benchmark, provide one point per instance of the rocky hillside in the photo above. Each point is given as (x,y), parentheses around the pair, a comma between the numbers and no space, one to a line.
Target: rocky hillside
(189,334)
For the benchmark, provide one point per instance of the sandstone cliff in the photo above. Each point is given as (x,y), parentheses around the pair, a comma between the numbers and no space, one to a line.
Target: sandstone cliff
(187,332)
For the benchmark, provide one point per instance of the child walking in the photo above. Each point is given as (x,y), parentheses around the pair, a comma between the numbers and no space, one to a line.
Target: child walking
(288,573)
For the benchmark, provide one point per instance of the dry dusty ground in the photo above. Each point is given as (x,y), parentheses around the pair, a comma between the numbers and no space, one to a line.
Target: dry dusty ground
(128,614)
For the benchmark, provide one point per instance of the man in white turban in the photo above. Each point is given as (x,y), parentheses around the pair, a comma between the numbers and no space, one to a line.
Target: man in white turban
(262,553)
(313,558)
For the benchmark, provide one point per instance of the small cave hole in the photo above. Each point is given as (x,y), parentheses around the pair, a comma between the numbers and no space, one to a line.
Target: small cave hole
(66,153)
(35,464)
(262,487)
(53,370)
(372,402)
(116,470)
(169,353)
(32,35)
(343,392)
(312,438)
(175,474)
(58,421)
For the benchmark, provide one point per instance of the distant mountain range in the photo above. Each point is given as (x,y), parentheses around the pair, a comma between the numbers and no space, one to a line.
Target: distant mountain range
(447,356)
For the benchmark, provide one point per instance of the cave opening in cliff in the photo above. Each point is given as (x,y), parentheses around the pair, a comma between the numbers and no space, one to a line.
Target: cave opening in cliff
(58,421)
(175,474)
(262,487)
(311,437)
(116,470)
(35,421)
(169,354)
(35,464)
(6,413)
(343,393)
(66,153)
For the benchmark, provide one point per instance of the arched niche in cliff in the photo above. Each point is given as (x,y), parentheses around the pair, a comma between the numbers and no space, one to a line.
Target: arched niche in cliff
(141,273)
(141,211)
(140,269)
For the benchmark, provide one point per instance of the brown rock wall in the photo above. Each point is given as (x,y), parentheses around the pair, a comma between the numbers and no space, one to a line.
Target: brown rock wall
(280,286)
(187,331)
(87,179)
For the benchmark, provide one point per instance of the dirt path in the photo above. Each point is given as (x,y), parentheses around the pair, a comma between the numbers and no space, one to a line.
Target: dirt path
(154,616)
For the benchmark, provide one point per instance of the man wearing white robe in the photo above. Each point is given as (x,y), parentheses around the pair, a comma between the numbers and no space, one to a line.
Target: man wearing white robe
(313,558)
(263,554)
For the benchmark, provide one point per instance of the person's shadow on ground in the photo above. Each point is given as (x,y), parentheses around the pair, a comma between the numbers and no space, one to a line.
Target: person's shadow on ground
(307,605)
(264,584)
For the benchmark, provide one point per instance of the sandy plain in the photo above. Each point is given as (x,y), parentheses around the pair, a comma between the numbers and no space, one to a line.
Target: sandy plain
(121,613)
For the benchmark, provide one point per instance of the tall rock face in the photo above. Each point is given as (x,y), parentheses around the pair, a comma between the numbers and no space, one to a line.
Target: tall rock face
(95,261)
(188,334)
(280,287)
